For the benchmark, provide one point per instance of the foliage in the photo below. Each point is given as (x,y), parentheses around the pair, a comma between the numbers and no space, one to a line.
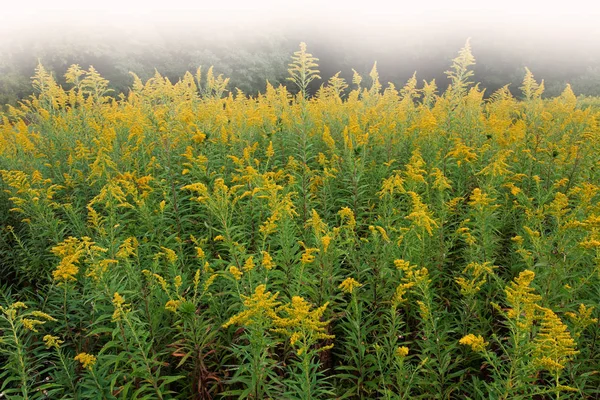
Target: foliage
(186,241)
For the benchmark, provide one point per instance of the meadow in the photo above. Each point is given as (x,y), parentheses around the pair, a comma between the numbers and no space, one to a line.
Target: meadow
(359,241)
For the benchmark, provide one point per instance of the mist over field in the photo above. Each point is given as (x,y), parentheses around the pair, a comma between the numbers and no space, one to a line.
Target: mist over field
(250,41)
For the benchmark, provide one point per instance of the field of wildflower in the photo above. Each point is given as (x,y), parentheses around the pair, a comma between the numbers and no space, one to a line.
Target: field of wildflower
(359,241)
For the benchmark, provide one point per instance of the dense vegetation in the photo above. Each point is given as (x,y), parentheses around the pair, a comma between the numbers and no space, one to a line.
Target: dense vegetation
(250,58)
(183,241)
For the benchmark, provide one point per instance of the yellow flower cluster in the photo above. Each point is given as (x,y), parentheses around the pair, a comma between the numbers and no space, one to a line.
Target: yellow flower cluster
(554,345)
(349,285)
(235,271)
(475,275)
(302,325)
(52,341)
(86,360)
(521,297)
(261,304)
(401,352)
(477,343)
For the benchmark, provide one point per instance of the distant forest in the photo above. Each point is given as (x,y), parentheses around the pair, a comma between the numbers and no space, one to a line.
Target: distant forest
(250,60)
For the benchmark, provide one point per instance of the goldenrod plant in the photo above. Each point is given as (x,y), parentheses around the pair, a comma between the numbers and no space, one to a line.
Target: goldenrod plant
(350,240)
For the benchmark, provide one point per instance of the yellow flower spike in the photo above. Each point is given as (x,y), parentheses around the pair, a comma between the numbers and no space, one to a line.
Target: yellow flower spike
(172,305)
(325,241)
(40,314)
(30,324)
(177,282)
(270,151)
(582,318)
(211,279)
(401,352)
(267,261)
(308,256)
(402,265)
(235,271)
(120,307)
(52,341)
(169,254)
(347,216)
(249,264)
(477,343)
(259,305)
(86,360)
(420,215)
(348,285)
(554,345)
(481,201)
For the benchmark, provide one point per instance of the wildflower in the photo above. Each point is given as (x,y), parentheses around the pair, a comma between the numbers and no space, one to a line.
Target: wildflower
(401,352)
(249,264)
(474,276)
(554,345)
(401,265)
(120,307)
(127,248)
(582,318)
(328,139)
(349,285)
(43,315)
(348,217)
(462,153)
(316,223)
(172,305)
(209,282)
(177,282)
(170,255)
(391,185)
(302,324)
(30,324)
(65,271)
(401,290)
(86,360)
(307,255)
(440,182)
(498,167)
(420,214)
(52,341)
(270,151)
(235,271)
(481,201)
(260,305)
(521,297)
(294,338)
(325,241)
(267,261)
(477,343)
(414,169)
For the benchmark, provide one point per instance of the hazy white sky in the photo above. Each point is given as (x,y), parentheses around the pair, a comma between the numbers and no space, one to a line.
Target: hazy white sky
(539,12)
(564,21)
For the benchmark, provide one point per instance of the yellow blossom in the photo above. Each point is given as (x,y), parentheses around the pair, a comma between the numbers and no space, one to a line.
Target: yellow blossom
(249,264)
(477,343)
(86,360)
(52,341)
(172,305)
(349,285)
(267,261)
(235,271)
(401,352)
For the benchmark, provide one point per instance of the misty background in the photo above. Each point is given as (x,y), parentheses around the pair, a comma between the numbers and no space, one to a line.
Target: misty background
(253,42)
